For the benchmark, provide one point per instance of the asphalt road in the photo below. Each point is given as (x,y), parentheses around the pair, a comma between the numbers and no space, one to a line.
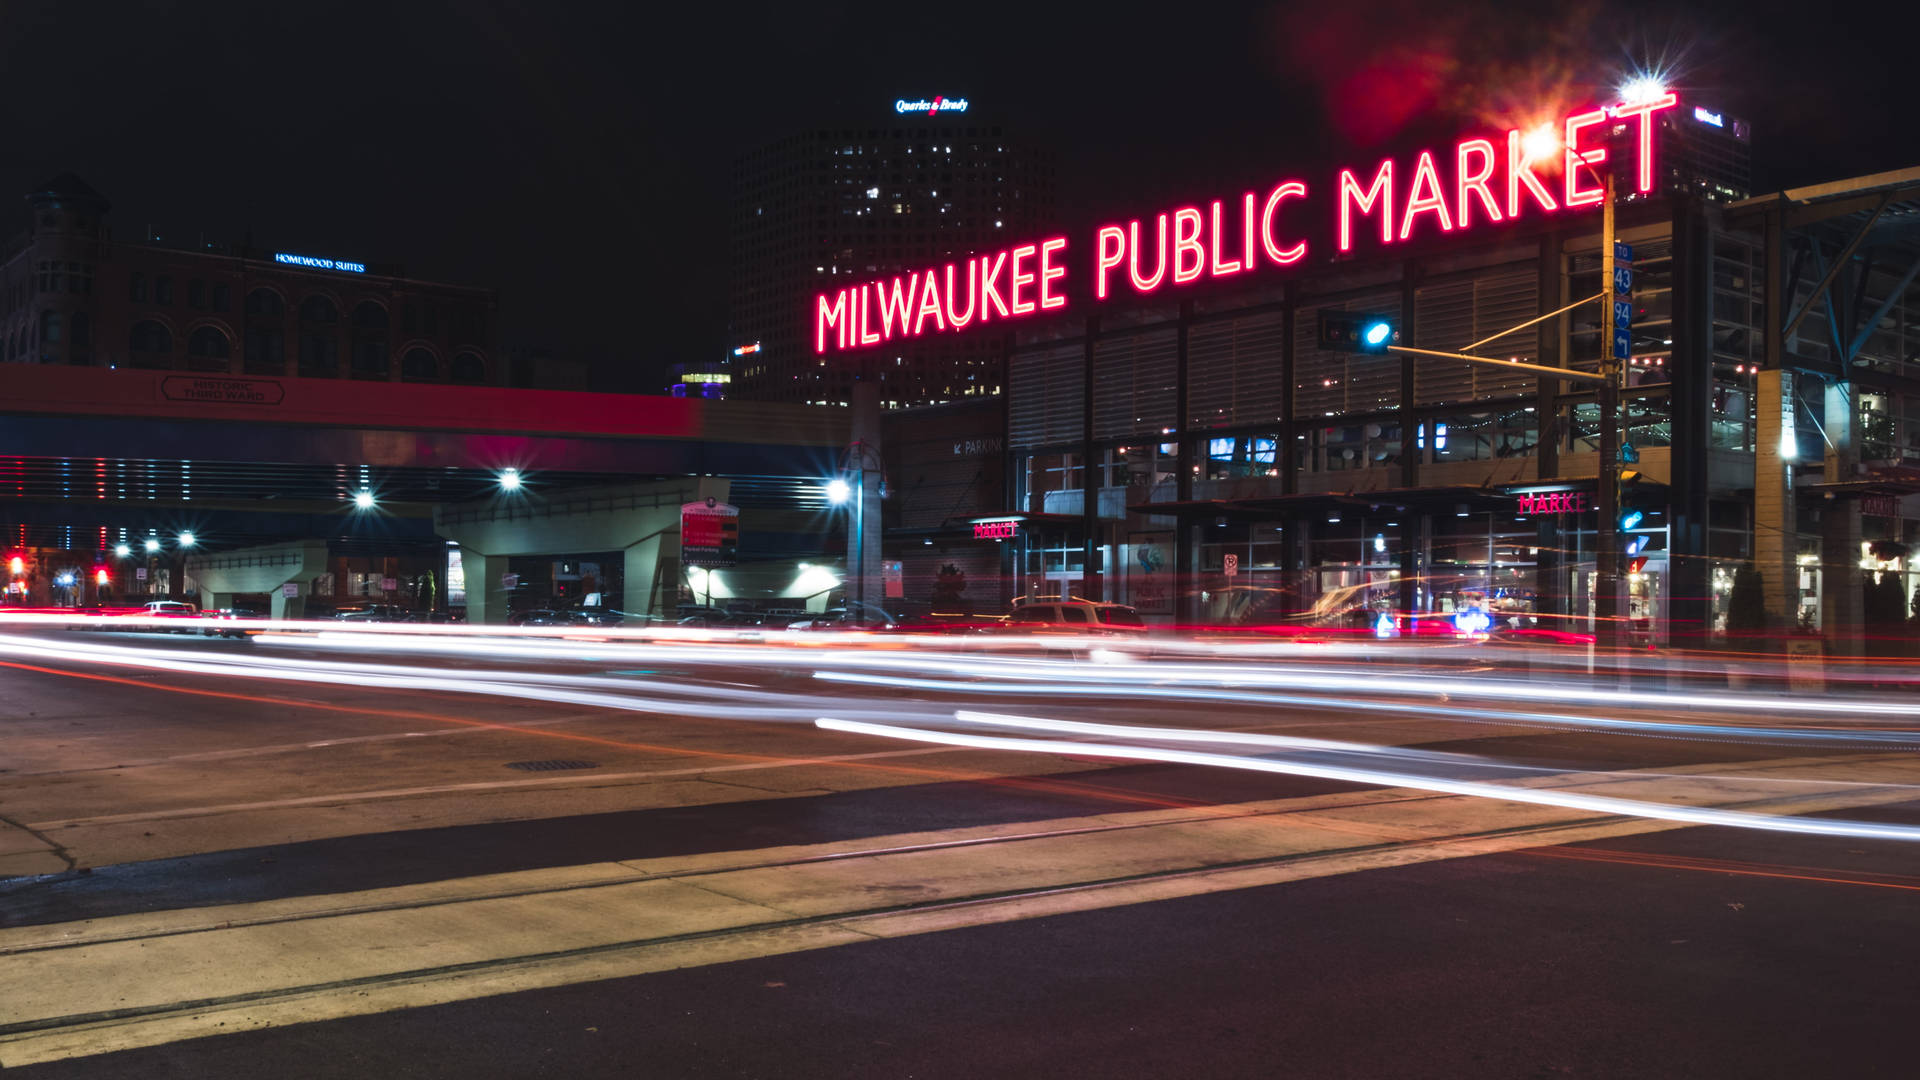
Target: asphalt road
(939,911)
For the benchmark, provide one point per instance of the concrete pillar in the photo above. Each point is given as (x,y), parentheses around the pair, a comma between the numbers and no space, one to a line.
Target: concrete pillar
(282,606)
(1776,525)
(644,592)
(215,601)
(486,596)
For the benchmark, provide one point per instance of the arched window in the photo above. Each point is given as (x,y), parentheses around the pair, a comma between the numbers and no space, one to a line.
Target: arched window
(469,368)
(319,355)
(370,360)
(370,316)
(266,350)
(151,343)
(265,302)
(419,365)
(319,309)
(209,343)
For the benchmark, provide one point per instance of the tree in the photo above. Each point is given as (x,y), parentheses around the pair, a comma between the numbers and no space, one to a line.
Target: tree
(1746,605)
(949,589)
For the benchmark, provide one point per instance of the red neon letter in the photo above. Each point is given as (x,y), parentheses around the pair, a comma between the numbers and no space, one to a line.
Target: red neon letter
(1645,111)
(866,317)
(929,305)
(1216,267)
(825,315)
(973,289)
(990,267)
(1020,307)
(1380,193)
(895,309)
(1292,189)
(1102,262)
(1246,230)
(1576,195)
(1520,171)
(1425,197)
(1048,272)
(1475,180)
(1185,242)
(1141,284)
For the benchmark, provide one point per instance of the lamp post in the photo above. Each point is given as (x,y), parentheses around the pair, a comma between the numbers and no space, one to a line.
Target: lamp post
(1606,555)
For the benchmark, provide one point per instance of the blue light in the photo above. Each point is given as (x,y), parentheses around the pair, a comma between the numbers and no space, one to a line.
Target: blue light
(1634,546)
(1472,620)
(1706,117)
(319,264)
(1377,333)
(1629,519)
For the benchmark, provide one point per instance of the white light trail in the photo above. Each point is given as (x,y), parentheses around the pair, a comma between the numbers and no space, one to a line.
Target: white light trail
(1603,804)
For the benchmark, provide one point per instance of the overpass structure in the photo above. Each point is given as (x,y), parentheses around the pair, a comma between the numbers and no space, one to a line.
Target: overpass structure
(257,471)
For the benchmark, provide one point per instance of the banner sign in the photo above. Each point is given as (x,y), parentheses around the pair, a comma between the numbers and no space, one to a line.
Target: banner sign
(1476,180)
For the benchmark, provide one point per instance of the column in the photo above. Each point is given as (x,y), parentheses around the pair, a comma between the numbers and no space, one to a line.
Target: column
(486,597)
(1775,524)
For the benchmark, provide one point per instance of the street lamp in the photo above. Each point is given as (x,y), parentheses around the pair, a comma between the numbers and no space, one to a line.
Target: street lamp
(185,538)
(363,500)
(510,480)
(837,491)
(153,544)
(121,551)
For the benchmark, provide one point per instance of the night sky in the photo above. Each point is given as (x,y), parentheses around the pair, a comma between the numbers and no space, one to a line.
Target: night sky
(576,157)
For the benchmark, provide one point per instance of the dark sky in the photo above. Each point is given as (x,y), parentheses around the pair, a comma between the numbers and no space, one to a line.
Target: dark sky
(576,156)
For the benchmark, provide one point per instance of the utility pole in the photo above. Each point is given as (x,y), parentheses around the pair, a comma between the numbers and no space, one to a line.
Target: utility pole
(1606,560)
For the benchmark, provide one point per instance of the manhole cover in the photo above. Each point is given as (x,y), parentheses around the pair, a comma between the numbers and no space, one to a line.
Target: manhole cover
(552,765)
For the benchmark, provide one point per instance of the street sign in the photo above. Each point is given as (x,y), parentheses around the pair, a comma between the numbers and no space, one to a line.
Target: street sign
(290,589)
(1623,279)
(709,533)
(1622,253)
(1622,313)
(1622,343)
(388,584)
(1628,454)
(1231,563)
(140,574)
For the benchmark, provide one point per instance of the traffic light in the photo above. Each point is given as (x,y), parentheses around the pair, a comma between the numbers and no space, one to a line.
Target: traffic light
(1356,331)
(1636,564)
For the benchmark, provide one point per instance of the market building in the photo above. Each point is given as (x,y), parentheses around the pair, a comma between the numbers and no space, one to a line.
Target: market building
(1178,439)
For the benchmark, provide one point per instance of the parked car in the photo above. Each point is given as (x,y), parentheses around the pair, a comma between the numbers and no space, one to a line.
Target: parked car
(1054,615)
(227,615)
(370,613)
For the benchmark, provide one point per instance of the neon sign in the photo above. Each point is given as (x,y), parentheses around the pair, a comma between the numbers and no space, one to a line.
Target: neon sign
(931,108)
(1706,117)
(1478,180)
(1553,502)
(995,530)
(319,264)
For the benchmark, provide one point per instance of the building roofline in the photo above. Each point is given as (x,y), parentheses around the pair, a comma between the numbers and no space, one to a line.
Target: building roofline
(1859,185)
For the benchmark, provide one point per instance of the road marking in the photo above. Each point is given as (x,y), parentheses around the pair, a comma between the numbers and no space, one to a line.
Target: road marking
(451,941)
(487,785)
(1821,875)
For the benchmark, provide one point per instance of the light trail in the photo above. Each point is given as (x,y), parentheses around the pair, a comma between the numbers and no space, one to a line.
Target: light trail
(1896,739)
(1603,804)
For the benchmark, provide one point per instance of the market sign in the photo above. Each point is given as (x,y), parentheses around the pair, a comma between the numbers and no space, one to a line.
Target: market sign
(1553,502)
(995,530)
(1477,180)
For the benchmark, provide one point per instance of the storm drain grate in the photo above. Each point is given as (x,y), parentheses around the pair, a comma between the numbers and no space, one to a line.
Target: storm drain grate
(551,765)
